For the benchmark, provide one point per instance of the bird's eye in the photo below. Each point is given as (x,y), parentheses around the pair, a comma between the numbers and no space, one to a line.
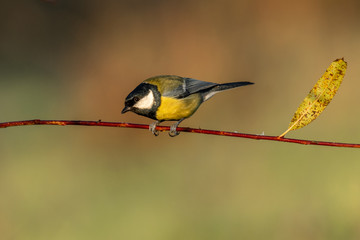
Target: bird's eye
(136,99)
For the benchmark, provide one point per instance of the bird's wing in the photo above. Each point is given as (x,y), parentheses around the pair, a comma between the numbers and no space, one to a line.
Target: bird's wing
(189,86)
(194,86)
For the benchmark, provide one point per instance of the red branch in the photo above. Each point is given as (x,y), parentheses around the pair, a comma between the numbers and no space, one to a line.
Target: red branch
(180,129)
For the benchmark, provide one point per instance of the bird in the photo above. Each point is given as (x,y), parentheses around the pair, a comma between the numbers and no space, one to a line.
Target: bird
(172,98)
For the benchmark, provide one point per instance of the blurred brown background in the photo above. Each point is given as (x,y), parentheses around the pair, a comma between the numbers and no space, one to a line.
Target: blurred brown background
(77,60)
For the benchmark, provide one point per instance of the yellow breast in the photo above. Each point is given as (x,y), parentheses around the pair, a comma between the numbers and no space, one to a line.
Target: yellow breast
(176,109)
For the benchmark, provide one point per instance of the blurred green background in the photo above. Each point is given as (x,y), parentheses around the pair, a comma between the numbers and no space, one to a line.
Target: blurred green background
(77,60)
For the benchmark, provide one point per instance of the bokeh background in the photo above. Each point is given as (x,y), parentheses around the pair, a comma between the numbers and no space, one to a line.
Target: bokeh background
(77,60)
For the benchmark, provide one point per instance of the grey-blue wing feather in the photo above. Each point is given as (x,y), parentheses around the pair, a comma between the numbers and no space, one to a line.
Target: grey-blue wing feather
(194,86)
(188,87)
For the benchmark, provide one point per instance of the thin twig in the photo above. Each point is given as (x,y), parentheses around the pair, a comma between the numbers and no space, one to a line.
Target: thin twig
(180,129)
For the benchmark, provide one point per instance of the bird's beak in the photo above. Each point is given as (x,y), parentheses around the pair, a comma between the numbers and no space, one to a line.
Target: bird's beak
(126,109)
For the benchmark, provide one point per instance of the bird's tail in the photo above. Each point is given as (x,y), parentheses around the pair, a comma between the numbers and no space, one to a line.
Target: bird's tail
(225,86)
(221,87)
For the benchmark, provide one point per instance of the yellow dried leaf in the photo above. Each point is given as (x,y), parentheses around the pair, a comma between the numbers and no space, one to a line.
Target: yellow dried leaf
(319,97)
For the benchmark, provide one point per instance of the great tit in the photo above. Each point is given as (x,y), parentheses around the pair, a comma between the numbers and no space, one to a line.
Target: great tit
(172,98)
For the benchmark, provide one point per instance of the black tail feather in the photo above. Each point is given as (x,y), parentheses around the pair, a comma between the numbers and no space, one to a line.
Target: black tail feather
(208,93)
(226,86)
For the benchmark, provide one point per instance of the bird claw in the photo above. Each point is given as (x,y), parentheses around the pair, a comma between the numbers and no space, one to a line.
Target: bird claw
(173,132)
(152,128)
(156,133)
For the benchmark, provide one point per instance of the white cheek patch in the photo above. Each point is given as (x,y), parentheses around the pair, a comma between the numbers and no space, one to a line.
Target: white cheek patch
(146,102)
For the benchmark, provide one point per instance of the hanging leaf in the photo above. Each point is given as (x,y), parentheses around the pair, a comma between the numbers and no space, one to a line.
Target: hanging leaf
(319,97)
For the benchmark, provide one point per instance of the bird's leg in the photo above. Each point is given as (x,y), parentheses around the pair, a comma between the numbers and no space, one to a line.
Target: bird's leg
(152,128)
(173,132)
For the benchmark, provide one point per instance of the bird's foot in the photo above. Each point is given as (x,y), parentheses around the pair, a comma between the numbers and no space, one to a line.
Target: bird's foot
(152,128)
(173,132)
